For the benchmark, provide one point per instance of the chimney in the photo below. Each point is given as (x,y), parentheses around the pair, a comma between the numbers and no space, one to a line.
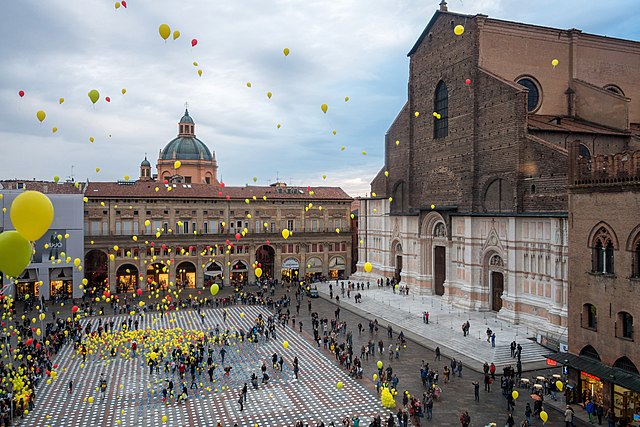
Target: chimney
(443,6)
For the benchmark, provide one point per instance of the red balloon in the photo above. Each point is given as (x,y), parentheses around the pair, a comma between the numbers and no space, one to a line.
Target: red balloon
(228,197)
(166,181)
(222,184)
(55,366)
(238,236)
(107,99)
(38,346)
(47,373)
(153,243)
(124,3)
(194,42)
(268,242)
(29,341)
(21,93)
(468,82)
(139,291)
(74,309)
(227,242)
(259,264)
(164,246)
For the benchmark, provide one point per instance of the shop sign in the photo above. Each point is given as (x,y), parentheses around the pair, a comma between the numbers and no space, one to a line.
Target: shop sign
(291,263)
(593,377)
(551,362)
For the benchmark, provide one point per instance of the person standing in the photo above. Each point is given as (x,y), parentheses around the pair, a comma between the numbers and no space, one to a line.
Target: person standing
(437,353)
(599,413)
(510,421)
(465,419)
(244,392)
(568,417)
(591,409)
(476,391)
(527,412)
(241,401)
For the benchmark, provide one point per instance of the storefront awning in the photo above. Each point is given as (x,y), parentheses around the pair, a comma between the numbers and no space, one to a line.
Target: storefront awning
(607,373)
(28,275)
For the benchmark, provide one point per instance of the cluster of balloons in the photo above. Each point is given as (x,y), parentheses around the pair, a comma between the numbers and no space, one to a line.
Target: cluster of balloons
(31,214)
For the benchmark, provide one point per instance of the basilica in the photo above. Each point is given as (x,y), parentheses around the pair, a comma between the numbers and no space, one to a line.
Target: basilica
(471,202)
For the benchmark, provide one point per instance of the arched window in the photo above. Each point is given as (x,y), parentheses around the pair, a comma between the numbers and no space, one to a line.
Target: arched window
(584,152)
(589,351)
(602,252)
(626,364)
(589,316)
(615,89)
(624,327)
(533,98)
(441,107)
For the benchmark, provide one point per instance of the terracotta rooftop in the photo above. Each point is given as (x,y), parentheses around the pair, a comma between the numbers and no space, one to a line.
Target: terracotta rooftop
(43,186)
(538,122)
(201,191)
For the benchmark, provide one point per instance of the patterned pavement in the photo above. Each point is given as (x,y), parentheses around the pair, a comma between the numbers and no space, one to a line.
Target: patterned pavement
(134,397)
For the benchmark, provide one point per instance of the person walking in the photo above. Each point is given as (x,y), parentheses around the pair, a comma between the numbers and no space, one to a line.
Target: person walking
(611,418)
(241,401)
(465,419)
(527,411)
(437,353)
(510,421)
(591,409)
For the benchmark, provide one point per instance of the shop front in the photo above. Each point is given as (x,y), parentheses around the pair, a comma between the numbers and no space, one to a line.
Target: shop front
(314,268)
(157,277)
(186,275)
(126,278)
(626,404)
(212,274)
(239,272)
(27,284)
(592,388)
(61,283)
(337,267)
(290,269)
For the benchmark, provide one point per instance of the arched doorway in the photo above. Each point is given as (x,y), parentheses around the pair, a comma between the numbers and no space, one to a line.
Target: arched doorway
(239,272)
(157,277)
(265,256)
(96,268)
(337,266)
(212,274)
(290,269)
(397,261)
(186,275)
(496,281)
(127,278)
(439,258)
(314,268)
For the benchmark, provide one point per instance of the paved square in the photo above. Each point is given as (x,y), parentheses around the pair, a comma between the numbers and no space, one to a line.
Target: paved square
(134,397)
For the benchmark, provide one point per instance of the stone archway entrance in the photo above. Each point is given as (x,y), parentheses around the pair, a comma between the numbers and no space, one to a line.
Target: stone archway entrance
(265,256)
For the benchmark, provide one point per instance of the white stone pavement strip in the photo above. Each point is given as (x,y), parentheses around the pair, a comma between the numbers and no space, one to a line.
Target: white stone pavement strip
(405,313)
(134,397)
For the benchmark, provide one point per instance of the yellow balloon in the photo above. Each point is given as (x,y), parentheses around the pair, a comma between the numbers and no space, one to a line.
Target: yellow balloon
(515,394)
(285,344)
(339,385)
(375,377)
(258,272)
(324,108)
(248,84)
(94,95)
(117,5)
(555,63)
(559,385)
(164,418)
(544,416)
(214,289)
(368,267)
(123,91)
(200,73)
(41,115)
(286,51)
(165,31)
(32,214)
(458,30)
(285,234)
(176,34)
(54,130)
(15,253)
(61,100)
(269,95)
(177,164)
(147,223)
(379,364)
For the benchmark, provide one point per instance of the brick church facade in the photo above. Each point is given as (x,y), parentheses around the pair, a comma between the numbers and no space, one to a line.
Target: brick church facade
(471,203)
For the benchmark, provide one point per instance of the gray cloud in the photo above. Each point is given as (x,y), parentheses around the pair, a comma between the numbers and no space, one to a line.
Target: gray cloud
(352,48)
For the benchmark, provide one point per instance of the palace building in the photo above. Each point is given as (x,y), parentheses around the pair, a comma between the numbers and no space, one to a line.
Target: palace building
(182,226)
(471,203)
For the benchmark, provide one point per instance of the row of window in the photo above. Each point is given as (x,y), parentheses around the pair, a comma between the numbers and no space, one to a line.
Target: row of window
(603,248)
(314,247)
(623,325)
(221,249)
(124,228)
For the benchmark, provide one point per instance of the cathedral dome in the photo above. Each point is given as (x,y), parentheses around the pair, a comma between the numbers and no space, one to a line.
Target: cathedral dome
(186,148)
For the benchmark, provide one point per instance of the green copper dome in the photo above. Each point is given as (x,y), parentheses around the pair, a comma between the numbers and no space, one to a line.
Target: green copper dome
(186,118)
(186,148)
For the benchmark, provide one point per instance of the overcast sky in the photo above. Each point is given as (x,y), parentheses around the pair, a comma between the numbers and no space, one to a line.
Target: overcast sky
(355,48)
